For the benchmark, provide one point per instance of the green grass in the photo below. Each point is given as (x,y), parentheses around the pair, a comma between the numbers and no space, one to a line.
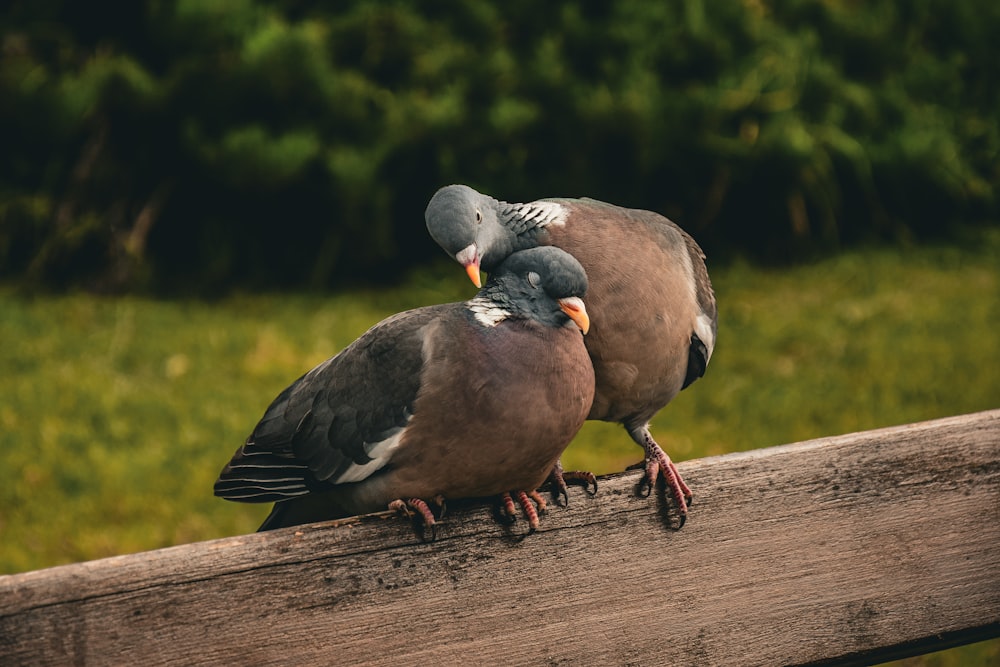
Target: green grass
(117,414)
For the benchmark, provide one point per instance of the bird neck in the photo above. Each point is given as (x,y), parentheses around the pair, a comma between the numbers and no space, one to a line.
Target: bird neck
(519,227)
(536,215)
(506,298)
(490,306)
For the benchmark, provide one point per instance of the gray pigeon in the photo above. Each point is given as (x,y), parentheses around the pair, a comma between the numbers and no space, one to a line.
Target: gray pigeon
(650,296)
(459,400)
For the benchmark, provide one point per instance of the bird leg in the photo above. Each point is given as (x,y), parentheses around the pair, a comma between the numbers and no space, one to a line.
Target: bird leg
(417,507)
(509,511)
(658,462)
(559,478)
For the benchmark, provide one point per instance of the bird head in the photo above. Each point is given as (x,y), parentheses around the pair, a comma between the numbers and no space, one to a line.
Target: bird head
(545,283)
(465,223)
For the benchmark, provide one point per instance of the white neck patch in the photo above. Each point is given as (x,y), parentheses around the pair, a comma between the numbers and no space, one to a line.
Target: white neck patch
(487,312)
(543,213)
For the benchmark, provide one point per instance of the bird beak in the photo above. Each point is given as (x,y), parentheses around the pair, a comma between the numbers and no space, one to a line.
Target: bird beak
(469,258)
(573,306)
(473,271)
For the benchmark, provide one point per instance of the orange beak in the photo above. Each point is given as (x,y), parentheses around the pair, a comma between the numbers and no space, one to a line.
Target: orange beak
(469,258)
(573,306)
(473,270)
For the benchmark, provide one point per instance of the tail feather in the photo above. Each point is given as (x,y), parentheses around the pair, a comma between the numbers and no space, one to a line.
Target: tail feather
(254,476)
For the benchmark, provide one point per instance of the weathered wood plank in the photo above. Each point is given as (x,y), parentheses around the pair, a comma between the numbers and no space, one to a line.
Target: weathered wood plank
(840,550)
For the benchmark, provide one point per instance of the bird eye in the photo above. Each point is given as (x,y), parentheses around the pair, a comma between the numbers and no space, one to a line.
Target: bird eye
(534,279)
(479,216)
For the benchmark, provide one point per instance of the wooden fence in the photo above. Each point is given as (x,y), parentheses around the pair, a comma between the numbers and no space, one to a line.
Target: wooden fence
(845,550)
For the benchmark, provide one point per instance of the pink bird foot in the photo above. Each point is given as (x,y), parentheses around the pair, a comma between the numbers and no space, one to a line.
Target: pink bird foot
(415,507)
(508,510)
(559,480)
(657,463)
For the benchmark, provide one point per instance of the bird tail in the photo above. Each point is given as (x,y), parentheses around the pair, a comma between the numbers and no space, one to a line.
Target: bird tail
(259,476)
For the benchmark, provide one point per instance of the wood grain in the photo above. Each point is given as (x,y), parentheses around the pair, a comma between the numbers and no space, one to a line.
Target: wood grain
(844,550)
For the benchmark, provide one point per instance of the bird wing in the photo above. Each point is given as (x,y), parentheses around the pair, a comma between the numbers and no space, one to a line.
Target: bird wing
(338,423)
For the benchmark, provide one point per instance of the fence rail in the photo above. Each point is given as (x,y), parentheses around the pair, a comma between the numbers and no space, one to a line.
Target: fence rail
(844,550)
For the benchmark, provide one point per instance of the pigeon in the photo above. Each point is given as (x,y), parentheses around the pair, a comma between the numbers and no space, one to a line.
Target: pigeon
(654,310)
(461,400)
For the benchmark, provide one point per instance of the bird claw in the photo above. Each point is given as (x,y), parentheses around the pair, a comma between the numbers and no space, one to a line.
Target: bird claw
(504,511)
(559,481)
(507,513)
(657,463)
(645,486)
(415,507)
(584,478)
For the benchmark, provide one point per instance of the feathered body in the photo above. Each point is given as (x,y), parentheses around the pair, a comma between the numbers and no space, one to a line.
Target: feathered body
(456,400)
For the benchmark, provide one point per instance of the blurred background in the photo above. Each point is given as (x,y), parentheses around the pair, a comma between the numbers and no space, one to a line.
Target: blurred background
(201,199)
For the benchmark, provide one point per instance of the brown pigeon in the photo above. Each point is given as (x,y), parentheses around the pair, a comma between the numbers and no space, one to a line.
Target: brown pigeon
(459,400)
(650,296)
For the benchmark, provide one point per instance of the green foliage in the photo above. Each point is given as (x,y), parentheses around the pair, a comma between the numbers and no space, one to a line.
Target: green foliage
(185,144)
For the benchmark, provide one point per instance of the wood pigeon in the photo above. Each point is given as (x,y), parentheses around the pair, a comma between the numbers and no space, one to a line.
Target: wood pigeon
(458,400)
(650,296)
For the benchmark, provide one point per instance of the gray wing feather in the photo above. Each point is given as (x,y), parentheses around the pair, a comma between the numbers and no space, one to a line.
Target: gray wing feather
(328,422)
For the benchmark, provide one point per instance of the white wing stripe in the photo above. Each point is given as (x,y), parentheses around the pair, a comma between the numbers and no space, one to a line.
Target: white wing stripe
(380,453)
